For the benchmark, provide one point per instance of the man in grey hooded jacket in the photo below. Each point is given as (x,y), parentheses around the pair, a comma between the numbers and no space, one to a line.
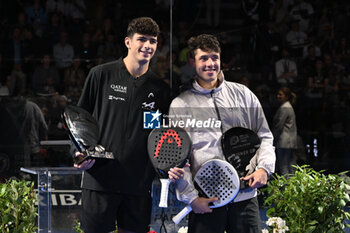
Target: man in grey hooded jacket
(208,108)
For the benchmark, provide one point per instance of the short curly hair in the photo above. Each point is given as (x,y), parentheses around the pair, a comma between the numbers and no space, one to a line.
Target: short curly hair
(205,42)
(144,26)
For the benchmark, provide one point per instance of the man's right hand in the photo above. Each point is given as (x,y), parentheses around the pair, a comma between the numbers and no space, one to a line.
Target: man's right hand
(201,205)
(87,164)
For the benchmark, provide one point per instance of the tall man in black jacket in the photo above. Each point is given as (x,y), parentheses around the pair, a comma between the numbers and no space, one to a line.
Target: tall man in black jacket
(117,94)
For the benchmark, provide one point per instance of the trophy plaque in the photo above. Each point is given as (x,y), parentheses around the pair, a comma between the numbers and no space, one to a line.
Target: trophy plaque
(83,130)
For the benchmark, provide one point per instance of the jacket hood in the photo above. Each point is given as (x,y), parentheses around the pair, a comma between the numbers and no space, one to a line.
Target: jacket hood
(200,90)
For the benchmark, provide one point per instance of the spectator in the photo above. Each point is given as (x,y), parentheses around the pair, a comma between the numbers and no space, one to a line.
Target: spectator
(52,31)
(13,49)
(316,85)
(161,10)
(344,88)
(55,107)
(331,69)
(54,6)
(63,52)
(296,39)
(324,21)
(75,14)
(18,81)
(340,15)
(302,11)
(4,78)
(343,50)
(36,17)
(308,62)
(342,66)
(285,131)
(164,73)
(46,80)
(279,16)
(87,51)
(326,41)
(28,124)
(286,70)
(74,78)
(317,79)
(229,55)
(101,33)
(162,51)
(213,12)
(183,55)
(187,71)
(182,30)
(75,10)
(270,49)
(333,72)
(244,79)
(263,92)
(4,90)
(32,50)
(251,11)
(312,42)
(109,50)
(22,21)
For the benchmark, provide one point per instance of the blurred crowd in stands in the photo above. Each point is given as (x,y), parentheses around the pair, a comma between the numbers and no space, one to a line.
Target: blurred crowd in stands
(47,48)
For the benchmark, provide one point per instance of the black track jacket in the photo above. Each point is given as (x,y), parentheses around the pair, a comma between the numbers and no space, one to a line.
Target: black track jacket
(117,100)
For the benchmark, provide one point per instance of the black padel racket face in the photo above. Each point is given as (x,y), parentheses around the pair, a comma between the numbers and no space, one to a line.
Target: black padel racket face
(239,145)
(218,178)
(168,148)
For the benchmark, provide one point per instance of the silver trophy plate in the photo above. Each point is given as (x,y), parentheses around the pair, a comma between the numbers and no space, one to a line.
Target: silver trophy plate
(83,131)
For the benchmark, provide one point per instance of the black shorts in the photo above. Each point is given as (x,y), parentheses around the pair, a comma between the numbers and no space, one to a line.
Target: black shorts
(101,210)
(239,217)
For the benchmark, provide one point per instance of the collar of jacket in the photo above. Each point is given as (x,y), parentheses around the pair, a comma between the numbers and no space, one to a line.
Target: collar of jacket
(200,90)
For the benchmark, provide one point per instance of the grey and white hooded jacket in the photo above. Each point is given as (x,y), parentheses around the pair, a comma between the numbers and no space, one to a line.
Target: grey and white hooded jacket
(233,105)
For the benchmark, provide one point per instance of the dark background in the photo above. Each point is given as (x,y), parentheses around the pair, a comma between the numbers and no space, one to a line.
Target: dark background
(249,32)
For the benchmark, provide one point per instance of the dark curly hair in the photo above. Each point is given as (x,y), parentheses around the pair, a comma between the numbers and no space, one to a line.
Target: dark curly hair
(204,42)
(144,26)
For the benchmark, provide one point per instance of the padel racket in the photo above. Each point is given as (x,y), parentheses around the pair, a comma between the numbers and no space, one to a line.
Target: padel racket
(215,178)
(239,145)
(168,148)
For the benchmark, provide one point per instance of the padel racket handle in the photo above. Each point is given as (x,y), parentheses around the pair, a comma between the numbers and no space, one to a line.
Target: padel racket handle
(185,211)
(164,192)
